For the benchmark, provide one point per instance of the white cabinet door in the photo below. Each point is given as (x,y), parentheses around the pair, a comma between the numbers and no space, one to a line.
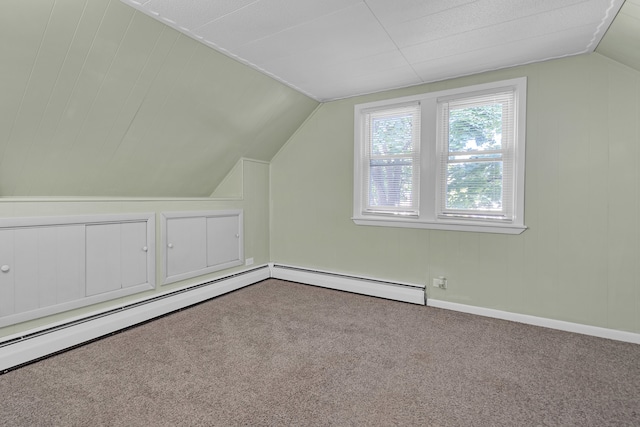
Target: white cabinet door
(186,245)
(133,256)
(48,266)
(223,240)
(6,272)
(116,256)
(201,242)
(103,258)
(54,264)
(61,264)
(25,252)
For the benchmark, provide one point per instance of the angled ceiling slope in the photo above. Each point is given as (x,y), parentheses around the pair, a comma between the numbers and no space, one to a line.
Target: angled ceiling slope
(330,49)
(622,42)
(98,99)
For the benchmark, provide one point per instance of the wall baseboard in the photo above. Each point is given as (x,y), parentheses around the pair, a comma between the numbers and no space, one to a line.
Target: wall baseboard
(596,331)
(30,346)
(360,285)
(21,349)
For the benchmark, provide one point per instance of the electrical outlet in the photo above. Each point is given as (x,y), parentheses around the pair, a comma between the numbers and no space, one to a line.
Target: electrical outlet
(440,282)
(248,261)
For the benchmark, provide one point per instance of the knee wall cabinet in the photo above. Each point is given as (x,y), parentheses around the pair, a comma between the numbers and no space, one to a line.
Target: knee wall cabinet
(53,264)
(196,243)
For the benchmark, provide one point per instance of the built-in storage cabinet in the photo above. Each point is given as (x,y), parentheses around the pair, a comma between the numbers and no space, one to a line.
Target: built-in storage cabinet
(49,265)
(197,243)
(186,245)
(116,256)
(223,240)
(40,267)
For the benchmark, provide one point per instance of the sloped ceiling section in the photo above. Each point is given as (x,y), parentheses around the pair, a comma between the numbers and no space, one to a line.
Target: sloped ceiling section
(99,99)
(622,41)
(333,49)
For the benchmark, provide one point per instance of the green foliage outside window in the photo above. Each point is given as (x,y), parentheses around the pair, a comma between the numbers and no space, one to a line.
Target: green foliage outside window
(474,172)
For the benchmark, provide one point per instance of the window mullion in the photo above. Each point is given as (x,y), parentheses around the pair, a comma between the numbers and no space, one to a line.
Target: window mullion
(467,168)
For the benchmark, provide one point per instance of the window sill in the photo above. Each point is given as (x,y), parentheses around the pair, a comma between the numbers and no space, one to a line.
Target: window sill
(477,227)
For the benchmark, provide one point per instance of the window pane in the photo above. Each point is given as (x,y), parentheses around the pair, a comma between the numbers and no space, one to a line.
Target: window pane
(475,128)
(392,135)
(474,186)
(391,183)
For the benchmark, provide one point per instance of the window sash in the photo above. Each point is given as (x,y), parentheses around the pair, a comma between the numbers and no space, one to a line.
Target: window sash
(504,156)
(428,213)
(391,180)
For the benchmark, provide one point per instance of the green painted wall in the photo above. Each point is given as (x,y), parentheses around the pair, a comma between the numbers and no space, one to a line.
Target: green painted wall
(577,262)
(622,39)
(98,99)
(254,202)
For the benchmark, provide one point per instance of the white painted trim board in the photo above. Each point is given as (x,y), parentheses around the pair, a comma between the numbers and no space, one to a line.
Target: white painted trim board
(360,285)
(561,325)
(24,351)
(30,349)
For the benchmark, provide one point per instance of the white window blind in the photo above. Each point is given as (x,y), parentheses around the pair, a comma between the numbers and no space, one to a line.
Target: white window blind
(391,159)
(445,160)
(476,152)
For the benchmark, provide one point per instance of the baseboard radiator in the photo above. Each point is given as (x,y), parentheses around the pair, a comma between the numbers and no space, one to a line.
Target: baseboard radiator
(36,344)
(22,349)
(405,292)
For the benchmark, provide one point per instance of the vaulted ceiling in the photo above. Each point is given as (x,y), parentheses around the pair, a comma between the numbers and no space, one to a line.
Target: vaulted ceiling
(622,41)
(99,99)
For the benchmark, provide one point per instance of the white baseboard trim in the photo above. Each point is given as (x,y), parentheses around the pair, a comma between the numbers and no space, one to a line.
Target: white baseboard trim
(612,334)
(360,285)
(32,345)
(26,347)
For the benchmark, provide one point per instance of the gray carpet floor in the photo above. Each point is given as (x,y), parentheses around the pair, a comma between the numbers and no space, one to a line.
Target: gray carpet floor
(279,353)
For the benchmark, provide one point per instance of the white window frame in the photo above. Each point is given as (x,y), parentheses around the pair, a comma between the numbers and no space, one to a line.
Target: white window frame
(430,214)
(404,109)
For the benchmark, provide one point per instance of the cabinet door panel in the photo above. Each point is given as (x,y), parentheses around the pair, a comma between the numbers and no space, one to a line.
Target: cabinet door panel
(6,277)
(133,256)
(103,258)
(25,246)
(223,239)
(60,264)
(70,263)
(47,266)
(186,245)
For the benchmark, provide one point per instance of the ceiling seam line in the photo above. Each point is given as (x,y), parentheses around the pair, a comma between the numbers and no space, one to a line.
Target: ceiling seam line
(409,64)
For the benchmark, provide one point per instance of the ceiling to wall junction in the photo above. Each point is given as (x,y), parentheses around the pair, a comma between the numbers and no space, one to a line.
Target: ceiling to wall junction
(98,99)
(622,41)
(332,49)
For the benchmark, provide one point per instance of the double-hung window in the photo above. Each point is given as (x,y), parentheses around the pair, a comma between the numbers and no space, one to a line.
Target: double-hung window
(450,160)
(391,160)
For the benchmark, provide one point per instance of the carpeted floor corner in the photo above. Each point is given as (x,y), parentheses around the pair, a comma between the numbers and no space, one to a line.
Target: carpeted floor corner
(280,353)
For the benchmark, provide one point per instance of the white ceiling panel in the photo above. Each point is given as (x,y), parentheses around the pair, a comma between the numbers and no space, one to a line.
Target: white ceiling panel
(266,18)
(194,13)
(349,33)
(392,13)
(358,72)
(575,16)
(470,17)
(490,58)
(330,49)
